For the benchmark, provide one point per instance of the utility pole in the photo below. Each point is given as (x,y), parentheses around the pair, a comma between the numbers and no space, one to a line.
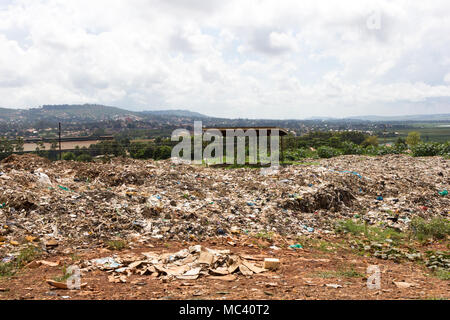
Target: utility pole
(60,155)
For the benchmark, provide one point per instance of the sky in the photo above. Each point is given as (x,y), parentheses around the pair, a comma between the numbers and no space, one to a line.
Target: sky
(278,59)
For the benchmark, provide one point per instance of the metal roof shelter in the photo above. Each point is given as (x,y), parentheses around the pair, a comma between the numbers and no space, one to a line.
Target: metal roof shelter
(281,132)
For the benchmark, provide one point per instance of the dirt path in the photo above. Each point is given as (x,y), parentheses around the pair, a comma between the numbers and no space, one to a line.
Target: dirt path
(304,274)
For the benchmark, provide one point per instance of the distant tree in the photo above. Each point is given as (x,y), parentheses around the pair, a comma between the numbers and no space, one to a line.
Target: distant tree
(163,152)
(370,141)
(413,138)
(19,145)
(84,157)
(400,141)
(69,156)
(335,142)
(6,148)
(40,149)
(353,136)
(52,153)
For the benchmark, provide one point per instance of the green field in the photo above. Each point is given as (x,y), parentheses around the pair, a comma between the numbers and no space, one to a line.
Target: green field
(429,132)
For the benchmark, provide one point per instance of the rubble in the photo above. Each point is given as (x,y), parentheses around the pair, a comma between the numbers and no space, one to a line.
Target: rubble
(187,264)
(86,204)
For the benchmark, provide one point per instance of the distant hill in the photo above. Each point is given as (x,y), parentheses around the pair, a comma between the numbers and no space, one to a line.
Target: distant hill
(7,114)
(417,117)
(88,113)
(95,112)
(177,113)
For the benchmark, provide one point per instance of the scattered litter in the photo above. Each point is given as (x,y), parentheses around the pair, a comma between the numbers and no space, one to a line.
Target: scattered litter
(106,263)
(62,285)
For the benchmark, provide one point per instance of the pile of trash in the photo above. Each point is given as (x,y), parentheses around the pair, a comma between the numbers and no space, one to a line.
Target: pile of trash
(85,204)
(186,264)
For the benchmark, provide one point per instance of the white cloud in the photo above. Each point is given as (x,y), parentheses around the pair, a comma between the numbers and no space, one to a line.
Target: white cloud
(284,59)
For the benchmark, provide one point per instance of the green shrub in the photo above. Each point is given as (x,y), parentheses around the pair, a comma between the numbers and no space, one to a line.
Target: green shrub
(370,141)
(413,138)
(427,149)
(437,228)
(84,157)
(445,149)
(351,148)
(328,152)
(371,232)
(69,156)
(371,150)
(25,256)
(297,154)
(116,244)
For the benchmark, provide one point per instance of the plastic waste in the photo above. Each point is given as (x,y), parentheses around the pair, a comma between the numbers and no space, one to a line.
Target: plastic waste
(43,178)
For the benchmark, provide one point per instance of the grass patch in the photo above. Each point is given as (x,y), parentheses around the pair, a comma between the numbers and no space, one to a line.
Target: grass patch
(370,232)
(318,244)
(116,244)
(24,257)
(343,273)
(75,257)
(437,228)
(65,275)
(265,236)
(442,274)
(7,269)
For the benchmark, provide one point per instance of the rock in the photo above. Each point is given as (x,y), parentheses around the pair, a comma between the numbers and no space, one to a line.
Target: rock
(403,285)
(271,263)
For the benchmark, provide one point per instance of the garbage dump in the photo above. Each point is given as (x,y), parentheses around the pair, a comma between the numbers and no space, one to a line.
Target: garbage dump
(85,204)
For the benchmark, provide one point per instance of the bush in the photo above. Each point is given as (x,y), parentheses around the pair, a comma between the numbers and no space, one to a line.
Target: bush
(413,138)
(328,152)
(351,148)
(116,244)
(383,150)
(371,150)
(445,150)
(370,141)
(69,156)
(437,228)
(427,149)
(84,157)
(301,153)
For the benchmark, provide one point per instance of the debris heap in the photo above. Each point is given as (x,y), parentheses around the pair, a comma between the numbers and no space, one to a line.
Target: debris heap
(88,203)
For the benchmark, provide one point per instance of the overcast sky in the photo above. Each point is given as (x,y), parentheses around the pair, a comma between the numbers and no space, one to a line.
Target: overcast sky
(256,59)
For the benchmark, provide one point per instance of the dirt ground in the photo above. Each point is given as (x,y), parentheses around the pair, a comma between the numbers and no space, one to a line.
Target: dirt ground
(301,276)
